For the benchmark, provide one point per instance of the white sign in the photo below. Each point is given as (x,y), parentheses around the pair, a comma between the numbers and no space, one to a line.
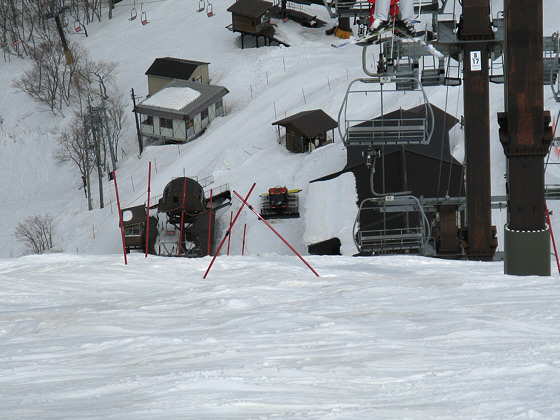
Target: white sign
(476,62)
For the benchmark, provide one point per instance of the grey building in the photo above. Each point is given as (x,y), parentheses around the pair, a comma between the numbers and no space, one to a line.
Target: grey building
(181,111)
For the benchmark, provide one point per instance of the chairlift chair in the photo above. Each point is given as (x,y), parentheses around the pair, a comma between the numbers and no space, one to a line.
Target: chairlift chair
(133,14)
(78,27)
(210,12)
(551,63)
(357,128)
(201,6)
(143,16)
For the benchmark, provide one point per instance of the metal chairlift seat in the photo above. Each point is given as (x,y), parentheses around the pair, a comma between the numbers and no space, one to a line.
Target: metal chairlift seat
(201,6)
(551,63)
(393,128)
(133,14)
(210,12)
(412,238)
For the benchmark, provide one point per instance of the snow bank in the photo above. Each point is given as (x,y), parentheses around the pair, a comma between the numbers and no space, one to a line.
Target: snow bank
(330,209)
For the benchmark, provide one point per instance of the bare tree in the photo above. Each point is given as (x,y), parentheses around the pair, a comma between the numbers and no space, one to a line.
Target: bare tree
(36,233)
(116,116)
(74,147)
(44,81)
(54,83)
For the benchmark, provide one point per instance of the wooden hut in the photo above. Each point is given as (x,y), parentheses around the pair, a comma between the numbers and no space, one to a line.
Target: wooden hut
(166,69)
(250,16)
(307,130)
(134,227)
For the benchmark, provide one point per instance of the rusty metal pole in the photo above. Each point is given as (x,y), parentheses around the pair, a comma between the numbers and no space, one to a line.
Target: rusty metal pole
(475,35)
(525,134)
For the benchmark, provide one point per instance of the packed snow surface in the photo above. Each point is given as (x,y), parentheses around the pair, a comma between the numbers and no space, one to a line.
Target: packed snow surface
(174,97)
(84,336)
(263,337)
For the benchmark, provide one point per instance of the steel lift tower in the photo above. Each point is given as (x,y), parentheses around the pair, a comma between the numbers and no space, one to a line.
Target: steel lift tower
(476,36)
(525,134)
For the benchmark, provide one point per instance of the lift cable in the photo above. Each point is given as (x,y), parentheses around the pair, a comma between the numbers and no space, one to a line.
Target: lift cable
(463,131)
(442,143)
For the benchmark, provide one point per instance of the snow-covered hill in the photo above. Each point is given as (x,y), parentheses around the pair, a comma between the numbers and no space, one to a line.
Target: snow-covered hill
(265,84)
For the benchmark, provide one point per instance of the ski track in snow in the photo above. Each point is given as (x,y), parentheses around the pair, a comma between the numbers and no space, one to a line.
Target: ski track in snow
(262,337)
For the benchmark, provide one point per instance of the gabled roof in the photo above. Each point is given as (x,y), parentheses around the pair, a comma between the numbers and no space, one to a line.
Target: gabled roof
(250,8)
(309,123)
(134,215)
(208,94)
(174,68)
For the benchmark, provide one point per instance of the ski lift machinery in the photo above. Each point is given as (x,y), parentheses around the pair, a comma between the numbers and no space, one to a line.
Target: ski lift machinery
(395,77)
(401,68)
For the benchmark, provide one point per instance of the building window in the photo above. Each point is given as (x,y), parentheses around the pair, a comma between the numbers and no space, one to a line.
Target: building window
(166,123)
(220,107)
(265,18)
(204,114)
(149,120)
(132,231)
(190,127)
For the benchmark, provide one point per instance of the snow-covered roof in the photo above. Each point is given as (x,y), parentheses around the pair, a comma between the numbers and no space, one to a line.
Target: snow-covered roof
(181,99)
(174,97)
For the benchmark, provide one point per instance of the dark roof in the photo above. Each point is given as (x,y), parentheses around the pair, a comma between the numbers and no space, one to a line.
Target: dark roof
(209,94)
(437,149)
(174,68)
(134,215)
(309,123)
(250,8)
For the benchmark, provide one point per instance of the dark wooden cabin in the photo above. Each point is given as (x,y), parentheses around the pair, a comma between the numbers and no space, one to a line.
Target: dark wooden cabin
(250,16)
(134,226)
(307,130)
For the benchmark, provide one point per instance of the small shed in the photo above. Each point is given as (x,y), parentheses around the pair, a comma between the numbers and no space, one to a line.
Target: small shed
(250,16)
(307,130)
(181,111)
(166,69)
(134,227)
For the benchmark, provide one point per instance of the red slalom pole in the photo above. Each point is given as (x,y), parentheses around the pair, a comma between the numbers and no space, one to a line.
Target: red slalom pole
(229,236)
(244,232)
(209,222)
(182,215)
(228,232)
(148,210)
(552,236)
(120,217)
(277,234)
